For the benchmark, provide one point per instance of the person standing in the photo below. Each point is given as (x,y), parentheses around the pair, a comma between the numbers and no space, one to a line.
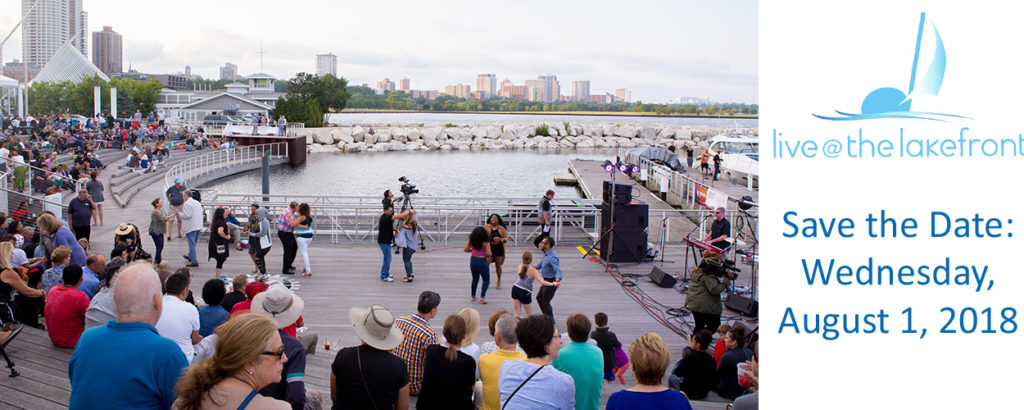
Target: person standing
(718,165)
(499,236)
(262,243)
(158,221)
(218,247)
(522,291)
(95,188)
(80,210)
(408,237)
(385,235)
(704,298)
(479,248)
(303,225)
(175,198)
(689,156)
(544,216)
(551,272)
(286,233)
(192,221)
(705,169)
(282,126)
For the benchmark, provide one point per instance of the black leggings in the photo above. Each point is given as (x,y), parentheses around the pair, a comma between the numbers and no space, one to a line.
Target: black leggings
(261,260)
(220,260)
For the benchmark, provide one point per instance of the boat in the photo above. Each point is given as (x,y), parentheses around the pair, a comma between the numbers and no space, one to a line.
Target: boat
(739,156)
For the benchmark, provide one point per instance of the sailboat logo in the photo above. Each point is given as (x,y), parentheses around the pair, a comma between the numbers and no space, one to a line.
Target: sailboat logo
(888,102)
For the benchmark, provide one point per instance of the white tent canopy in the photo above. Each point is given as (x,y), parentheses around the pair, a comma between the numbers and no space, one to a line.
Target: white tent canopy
(8,82)
(68,64)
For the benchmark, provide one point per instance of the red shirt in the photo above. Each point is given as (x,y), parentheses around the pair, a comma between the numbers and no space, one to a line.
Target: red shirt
(240,308)
(719,351)
(65,315)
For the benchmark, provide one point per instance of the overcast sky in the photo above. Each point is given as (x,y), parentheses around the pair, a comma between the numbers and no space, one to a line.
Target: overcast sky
(661,50)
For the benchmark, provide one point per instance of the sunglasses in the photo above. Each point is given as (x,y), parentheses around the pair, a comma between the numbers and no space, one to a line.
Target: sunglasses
(277,354)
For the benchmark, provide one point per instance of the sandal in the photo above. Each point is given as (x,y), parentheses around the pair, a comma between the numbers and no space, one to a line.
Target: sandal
(304,273)
(407,279)
(483,301)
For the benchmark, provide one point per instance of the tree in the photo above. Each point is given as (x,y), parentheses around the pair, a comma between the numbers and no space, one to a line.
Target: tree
(314,117)
(328,90)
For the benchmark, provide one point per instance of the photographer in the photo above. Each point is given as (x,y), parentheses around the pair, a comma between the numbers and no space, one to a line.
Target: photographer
(704,297)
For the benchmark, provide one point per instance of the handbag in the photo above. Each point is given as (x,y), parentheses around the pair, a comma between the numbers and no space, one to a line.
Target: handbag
(222,249)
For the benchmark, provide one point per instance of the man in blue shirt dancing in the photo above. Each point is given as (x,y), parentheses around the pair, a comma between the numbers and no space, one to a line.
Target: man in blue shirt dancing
(550,271)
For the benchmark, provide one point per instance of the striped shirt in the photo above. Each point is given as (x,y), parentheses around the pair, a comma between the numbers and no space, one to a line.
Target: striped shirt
(418,335)
(285,219)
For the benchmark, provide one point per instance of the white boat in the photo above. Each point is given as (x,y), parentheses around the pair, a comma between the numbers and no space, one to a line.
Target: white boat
(739,156)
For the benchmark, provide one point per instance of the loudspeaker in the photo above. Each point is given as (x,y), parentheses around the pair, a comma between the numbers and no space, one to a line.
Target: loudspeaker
(660,278)
(618,192)
(629,218)
(742,304)
(624,247)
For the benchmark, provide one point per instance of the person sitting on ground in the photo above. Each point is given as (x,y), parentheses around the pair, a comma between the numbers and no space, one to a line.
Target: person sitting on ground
(55,275)
(532,383)
(126,359)
(251,290)
(283,307)
(65,309)
(369,376)
(468,346)
(650,358)
(101,307)
(490,346)
(179,320)
(249,355)
(212,314)
(728,384)
(504,331)
(694,373)
(720,346)
(448,374)
(237,293)
(749,401)
(582,361)
(94,265)
(608,342)
(417,335)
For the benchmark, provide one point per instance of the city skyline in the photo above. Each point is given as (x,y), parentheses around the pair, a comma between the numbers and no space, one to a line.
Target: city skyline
(659,51)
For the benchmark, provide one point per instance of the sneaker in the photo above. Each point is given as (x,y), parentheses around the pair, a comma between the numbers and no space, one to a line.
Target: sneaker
(192,265)
(388,279)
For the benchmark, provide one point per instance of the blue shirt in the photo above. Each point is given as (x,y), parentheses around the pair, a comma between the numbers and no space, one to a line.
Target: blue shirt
(210,317)
(64,237)
(90,282)
(665,399)
(124,365)
(549,265)
(548,389)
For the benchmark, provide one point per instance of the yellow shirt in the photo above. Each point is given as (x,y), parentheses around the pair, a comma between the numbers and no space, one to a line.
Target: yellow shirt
(490,365)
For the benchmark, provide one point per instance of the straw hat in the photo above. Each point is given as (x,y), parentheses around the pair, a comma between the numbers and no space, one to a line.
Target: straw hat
(375,327)
(279,304)
(123,229)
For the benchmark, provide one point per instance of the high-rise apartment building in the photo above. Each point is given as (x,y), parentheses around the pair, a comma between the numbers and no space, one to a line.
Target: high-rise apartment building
(488,83)
(623,94)
(581,90)
(385,85)
(551,88)
(535,90)
(403,85)
(49,25)
(107,53)
(327,64)
(229,72)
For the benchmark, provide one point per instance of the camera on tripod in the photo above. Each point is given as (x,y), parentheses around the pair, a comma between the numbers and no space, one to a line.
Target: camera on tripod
(715,265)
(407,188)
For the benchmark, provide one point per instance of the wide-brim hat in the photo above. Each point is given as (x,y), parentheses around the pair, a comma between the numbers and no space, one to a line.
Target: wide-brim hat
(279,304)
(375,326)
(123,229)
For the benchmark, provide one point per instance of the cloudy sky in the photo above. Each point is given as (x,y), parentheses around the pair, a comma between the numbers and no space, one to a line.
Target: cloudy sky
(661,50)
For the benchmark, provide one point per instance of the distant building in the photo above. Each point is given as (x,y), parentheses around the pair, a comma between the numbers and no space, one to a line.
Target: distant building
(327,64)
(516,92)
(261,89)
(605,98)
(622,94)
(107,53)
(487,83)
(131,75)
(229,72)
(581,90)
(428,94)
(172,81)
(188,72)
(551,87)
(463,91)
(49,25)
(16,70)
(535,90)
(403,85)
(385,85)
(478,95)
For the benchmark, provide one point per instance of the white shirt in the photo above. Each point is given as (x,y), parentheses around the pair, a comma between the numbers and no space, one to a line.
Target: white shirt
(191,216)
(18,257)
(177,322)
(5,153)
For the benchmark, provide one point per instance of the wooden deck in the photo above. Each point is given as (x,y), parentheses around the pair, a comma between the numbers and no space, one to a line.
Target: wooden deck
(347,276)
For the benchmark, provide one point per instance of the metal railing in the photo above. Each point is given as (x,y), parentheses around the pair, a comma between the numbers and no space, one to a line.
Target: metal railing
(681,189)
(217,127)
(11,201)
(202,165)
(443,220)
(32,180)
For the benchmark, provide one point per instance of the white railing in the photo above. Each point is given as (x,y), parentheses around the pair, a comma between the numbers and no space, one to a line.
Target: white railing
(217,127)
(30,184)
(202,165)
(681,188)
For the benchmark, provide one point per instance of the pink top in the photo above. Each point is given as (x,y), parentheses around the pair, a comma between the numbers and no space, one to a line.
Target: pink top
(480,253)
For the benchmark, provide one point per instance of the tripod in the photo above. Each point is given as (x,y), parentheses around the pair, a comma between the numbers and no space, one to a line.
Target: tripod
(407,204)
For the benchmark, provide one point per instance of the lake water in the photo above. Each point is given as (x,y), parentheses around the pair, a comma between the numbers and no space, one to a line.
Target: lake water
(346,119)
(500,174)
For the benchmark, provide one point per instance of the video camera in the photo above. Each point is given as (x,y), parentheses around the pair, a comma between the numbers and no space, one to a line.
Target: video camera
(719,267)
(407,188)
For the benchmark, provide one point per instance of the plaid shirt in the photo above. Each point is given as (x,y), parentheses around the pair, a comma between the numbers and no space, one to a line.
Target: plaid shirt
(418,335)
(286,218)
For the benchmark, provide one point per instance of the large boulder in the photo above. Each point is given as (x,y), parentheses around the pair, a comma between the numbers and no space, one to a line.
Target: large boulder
(400,134)
(380,147)
(625,142)
(552,131)
(415,134)
(479,132)
(396,146)
(355,147)
(565,143)
(493,132)
(432,134)
(433,144)
(344,135)
(323,137)
(370,139)
(648,132)
(666,133)
(358,134)
(507,135)
(523,131)
(517,143)
(683,134)
(625,132)
(584,142)
(384,136)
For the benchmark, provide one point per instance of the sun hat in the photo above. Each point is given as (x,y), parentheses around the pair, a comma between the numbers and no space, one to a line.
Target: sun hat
(279,304)
(123,229)
(254,288)
(375,326)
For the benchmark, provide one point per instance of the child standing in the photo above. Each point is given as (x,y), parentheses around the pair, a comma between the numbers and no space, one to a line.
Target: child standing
(615,363)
